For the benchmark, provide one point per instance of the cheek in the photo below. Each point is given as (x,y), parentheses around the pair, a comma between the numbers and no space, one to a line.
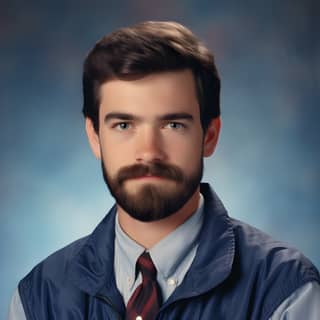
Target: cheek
(110,157)
(186,154)
(116,156)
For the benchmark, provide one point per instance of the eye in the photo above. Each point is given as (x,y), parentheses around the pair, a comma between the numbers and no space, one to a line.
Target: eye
(122,126)
(175,125)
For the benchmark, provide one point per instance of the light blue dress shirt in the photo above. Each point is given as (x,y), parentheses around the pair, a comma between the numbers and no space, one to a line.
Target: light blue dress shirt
(172,257)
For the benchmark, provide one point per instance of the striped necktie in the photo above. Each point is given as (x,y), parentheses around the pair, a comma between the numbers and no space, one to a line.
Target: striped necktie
(145,302)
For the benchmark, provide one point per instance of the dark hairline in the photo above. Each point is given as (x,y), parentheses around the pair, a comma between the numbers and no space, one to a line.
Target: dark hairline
(176,45)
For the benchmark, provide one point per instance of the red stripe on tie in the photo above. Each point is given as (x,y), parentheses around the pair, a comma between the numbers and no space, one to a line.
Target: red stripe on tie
(146,299)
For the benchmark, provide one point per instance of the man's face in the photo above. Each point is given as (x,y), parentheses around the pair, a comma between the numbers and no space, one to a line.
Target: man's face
(151,142)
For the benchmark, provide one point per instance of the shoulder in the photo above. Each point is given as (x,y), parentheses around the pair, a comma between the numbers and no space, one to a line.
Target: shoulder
(54,267)
(274,267)
(48,281)
(260,248)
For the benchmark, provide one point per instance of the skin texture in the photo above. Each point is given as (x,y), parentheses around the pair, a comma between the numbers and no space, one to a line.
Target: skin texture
(137,126)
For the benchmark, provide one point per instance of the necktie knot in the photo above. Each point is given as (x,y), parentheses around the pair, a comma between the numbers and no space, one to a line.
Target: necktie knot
(146,266)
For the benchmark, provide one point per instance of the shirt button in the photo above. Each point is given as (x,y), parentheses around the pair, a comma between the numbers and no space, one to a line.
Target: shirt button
(139,318)
(171,282)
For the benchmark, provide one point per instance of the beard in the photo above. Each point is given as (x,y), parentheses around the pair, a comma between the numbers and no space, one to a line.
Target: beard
(152,202)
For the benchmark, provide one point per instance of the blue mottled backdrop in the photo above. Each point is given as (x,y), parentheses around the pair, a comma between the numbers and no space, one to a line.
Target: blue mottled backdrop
(266,168)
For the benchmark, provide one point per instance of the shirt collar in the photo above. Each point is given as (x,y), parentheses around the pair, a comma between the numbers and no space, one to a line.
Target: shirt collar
(168,253)
(128,251)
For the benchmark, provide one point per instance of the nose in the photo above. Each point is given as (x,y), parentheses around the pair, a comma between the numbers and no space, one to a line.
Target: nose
(149,147)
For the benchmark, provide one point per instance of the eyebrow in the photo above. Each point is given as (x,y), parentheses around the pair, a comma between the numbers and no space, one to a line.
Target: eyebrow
(119,116)
(177,116)
(128,116)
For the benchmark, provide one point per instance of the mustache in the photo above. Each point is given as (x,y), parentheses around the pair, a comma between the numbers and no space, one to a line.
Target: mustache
(158,169)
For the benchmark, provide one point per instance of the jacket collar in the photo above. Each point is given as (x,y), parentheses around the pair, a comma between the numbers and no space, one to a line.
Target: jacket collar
(214,258)
(92,269)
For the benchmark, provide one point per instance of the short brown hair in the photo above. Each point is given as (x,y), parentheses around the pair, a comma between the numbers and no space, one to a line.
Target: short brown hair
(145,48)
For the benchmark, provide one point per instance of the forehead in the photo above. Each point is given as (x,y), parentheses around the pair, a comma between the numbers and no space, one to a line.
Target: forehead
(155,93)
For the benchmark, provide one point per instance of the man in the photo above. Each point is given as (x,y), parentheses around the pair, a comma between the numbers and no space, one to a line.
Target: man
(167,249)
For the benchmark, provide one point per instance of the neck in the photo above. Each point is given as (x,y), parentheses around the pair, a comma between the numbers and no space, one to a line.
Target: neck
(147,234)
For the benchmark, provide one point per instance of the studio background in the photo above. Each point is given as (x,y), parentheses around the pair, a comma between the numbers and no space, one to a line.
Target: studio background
(266,166)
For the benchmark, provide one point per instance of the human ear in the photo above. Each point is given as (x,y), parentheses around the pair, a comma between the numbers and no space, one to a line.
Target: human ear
(211,137)
(93,138)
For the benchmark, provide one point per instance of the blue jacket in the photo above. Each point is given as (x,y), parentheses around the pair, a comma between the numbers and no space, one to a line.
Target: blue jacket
(238,273)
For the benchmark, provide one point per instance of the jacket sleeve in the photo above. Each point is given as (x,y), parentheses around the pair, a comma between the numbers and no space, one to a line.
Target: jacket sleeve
(304,303)
(16,311)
